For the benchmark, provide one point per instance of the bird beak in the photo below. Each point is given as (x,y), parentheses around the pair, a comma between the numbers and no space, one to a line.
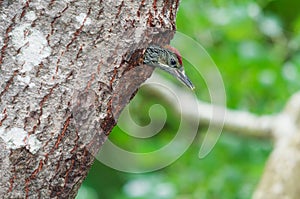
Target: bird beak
(179,74)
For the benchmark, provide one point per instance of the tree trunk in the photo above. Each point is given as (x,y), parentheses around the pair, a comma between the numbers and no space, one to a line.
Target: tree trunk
(282,172)
(67,69)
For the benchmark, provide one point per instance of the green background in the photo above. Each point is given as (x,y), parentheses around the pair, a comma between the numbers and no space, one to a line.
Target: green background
(255,45)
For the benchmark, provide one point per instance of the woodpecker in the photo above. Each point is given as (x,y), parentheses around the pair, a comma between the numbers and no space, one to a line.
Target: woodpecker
(169,60)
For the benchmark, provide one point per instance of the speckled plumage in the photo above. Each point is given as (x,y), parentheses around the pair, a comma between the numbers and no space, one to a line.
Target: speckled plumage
(167,59)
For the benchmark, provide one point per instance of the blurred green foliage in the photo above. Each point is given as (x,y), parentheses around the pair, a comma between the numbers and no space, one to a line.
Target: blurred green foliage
(255,45)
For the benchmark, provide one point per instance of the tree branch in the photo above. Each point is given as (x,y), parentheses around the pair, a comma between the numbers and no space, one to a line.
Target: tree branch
(239,122)
(282,171)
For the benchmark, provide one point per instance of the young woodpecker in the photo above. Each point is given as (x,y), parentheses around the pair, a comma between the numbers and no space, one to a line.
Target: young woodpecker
(169,60)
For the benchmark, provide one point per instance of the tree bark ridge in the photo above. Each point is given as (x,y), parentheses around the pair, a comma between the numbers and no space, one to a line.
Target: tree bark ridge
(64,78)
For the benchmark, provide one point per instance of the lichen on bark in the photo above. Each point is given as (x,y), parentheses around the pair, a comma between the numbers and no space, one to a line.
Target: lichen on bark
(63,80)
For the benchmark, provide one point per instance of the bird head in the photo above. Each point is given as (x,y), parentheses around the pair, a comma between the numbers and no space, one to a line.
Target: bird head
(169,60)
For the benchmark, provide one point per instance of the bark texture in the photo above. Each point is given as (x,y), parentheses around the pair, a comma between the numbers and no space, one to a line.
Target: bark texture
(67,69)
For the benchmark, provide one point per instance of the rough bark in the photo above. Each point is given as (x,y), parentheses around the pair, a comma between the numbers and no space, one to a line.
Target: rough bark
(67,68)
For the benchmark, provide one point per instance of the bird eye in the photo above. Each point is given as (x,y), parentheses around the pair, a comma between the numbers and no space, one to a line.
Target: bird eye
(173,62)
